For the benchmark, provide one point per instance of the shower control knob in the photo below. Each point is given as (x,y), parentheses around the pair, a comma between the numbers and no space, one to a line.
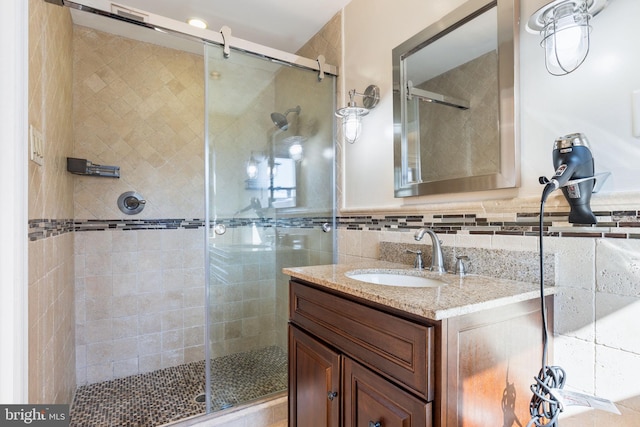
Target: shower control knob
(131,203)
(332,395)
(219,229)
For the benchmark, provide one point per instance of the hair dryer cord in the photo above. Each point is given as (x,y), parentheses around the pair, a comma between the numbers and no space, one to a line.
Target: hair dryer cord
(544,407)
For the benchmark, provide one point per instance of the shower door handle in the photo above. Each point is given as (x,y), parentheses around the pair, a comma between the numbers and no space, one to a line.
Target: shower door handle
(219,229)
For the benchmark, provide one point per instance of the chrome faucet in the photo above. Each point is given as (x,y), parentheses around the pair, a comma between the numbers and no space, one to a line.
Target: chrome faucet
(437,259)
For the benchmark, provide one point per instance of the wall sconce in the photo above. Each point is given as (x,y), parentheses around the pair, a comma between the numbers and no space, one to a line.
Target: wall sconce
(564,27)
(252,164)
(351,115)
(295,146)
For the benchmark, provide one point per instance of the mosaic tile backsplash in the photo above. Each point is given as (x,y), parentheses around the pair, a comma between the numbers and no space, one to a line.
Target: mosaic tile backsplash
(611,224)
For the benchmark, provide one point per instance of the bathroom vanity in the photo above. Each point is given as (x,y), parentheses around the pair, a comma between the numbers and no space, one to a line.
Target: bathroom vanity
(362,354)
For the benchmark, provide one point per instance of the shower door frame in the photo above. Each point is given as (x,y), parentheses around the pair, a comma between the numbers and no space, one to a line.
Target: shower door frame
(184,30)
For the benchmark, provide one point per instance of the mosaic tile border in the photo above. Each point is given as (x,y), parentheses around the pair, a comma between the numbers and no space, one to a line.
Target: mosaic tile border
(43,228)
(611,224)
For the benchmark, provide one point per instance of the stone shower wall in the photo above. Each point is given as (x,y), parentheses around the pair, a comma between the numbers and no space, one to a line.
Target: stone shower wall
(139,279)
(51,262)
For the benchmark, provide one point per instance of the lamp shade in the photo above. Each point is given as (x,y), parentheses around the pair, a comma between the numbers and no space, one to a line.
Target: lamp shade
(352,126)
(566,37)
(351,115)
(565,26)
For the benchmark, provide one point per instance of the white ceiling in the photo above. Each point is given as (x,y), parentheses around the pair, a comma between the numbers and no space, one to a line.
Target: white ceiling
(281,24)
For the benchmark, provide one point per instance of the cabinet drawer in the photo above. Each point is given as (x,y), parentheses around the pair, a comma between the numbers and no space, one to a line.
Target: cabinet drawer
(399,349)
(370,400)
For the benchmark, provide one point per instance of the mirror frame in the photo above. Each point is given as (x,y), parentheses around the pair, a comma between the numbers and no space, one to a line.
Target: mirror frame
(508,36)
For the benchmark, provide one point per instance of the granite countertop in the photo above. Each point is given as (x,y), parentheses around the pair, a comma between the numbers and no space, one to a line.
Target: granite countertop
(461,295)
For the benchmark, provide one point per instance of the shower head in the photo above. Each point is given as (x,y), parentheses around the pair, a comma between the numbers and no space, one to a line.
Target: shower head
(280,120)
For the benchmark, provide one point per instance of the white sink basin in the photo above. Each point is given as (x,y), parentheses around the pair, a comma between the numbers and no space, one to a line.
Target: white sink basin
(395,279)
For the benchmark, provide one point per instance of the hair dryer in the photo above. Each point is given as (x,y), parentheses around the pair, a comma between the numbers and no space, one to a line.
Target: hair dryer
(573,160)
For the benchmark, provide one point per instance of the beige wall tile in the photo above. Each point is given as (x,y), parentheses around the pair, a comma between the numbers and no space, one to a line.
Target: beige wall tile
(618,266)
(574,313)
(136,105)
(616,316)
(51,261)
(577,358)
(575,261)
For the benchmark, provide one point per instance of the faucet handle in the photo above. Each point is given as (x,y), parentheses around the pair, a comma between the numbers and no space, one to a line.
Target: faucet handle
(460,266)
(418,262)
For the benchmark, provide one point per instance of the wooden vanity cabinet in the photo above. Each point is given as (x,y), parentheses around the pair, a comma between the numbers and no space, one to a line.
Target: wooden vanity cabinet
(354,363)
(385,364)
(367,398)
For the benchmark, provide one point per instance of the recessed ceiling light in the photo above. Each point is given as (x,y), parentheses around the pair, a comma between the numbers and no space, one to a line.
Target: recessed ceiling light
(197,22)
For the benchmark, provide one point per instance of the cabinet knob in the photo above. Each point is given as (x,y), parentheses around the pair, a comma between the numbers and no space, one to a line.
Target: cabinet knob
(332,395)
(375,424)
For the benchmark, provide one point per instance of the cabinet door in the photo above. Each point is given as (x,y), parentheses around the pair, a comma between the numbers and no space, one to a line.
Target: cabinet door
(492,355)
(314,382)
(371,401)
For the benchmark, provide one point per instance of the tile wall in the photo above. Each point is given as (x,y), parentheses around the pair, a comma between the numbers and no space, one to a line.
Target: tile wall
(139,280)
(242,299)
(139,301)
(140,107)
(51,262)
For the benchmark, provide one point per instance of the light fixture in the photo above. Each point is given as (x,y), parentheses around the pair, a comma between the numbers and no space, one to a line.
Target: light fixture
(295,146)
(351,115)
(252,164)
(295,151)
(197,22)
(565,27)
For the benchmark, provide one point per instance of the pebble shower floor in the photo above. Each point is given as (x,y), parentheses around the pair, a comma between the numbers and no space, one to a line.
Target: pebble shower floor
(166,395)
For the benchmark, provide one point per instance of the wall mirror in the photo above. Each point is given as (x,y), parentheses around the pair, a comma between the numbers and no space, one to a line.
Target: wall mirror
(453,102)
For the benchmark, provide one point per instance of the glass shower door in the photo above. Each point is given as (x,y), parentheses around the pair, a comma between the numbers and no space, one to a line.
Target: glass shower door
(270,204)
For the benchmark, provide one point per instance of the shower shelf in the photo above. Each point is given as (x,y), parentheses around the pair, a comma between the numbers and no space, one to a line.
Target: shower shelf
(85,167)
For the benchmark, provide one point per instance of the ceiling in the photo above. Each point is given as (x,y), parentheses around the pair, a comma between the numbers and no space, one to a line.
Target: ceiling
(281,24)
